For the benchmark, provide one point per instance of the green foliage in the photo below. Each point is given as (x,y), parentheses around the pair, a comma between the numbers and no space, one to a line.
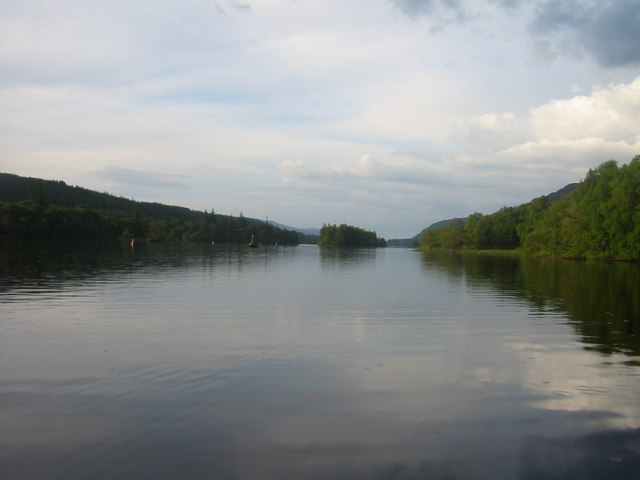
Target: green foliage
(600,219)
(30,220)
(46,209)
(533,212)
(430,239)
(220,229)
(15,188)
(480,231)
(348,236)
(451,236)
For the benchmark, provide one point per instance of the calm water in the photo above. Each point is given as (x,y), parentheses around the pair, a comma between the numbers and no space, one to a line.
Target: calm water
(200,362)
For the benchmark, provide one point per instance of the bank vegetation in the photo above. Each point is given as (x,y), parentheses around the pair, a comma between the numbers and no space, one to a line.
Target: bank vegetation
(600,219)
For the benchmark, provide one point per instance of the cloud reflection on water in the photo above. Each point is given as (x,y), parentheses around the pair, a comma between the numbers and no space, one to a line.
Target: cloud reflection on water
(392,370)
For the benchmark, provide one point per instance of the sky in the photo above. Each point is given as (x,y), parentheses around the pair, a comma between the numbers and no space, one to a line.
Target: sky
(385,114)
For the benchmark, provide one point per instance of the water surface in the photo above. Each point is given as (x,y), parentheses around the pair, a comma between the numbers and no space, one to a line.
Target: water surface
(199,362)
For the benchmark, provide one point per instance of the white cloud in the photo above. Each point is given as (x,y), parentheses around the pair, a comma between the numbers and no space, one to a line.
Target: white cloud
(582,130)
(144,178)
(609,113)
(306,112)
(534,154)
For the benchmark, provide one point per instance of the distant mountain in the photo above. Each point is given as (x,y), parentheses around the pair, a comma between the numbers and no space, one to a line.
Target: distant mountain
(413,241)
(15,188)
(561,194)
(305,231)
(307,235)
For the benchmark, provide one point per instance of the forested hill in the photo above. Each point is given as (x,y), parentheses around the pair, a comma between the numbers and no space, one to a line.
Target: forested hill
(600,219)
(14,188)
(31,208)
(556,196)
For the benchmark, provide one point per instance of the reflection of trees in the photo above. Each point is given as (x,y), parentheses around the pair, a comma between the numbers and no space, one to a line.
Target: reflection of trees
(45,264)
(42,263)
(446,262)
(610,454)
(601,299)
(345,257)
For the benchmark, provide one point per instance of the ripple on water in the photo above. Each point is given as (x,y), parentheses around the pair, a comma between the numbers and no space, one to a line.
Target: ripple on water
(591,390)
(561,394)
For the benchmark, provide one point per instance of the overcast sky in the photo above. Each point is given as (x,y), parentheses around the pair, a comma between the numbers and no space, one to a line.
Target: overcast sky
(385,114)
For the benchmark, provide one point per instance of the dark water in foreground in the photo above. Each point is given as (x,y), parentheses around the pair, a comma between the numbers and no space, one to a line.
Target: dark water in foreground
(193,362)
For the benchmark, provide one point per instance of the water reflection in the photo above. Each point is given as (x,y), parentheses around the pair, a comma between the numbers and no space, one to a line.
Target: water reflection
(602,455)
(600,299)
(346,258)
(43,265)
(183,361)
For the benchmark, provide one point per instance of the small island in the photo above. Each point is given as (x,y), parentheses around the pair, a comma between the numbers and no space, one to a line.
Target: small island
(348,236)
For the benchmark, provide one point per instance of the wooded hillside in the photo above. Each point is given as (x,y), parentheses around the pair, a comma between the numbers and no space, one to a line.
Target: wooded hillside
(32,208)
(600,219)
(15,188)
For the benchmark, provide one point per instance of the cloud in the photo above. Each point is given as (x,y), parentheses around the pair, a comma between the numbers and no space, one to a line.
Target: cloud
(441,12)
(491,131)
(337,106)
(112,43)
(609,114)
(244,6)
(607,30)
(416,7)
(498,159)
(143,178)
(510,4)
(367,169)
(559,139)
(56,42)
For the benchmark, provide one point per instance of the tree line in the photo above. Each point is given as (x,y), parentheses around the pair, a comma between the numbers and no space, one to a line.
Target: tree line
(31,219)
(599,220)
(223,229)
(348,236)
(51,209)
(15,188)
